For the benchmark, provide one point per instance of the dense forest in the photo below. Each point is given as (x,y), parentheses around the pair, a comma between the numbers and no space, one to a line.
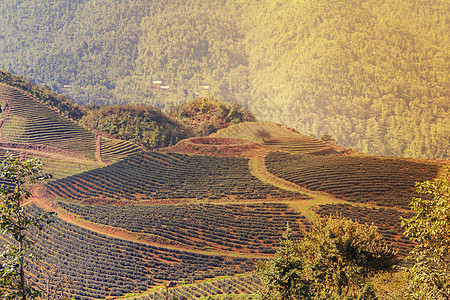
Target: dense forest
(372,74)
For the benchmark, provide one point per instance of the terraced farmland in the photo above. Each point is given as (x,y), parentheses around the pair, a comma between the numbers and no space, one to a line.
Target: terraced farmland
(254,227)
(237,285)
(387,220)
(276,137)
(363,179)
(31,122)
(100,266)
(154,175)
(112,150)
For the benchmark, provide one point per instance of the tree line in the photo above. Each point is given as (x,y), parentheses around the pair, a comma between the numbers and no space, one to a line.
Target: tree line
(371,74)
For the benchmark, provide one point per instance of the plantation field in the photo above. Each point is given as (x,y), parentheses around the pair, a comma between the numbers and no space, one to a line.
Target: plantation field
(362,179)
(387,220)
(216,146)
(112,150)
(154,175)
(277,137)
(100,266)
(233,227)
(220,288)
(26,120)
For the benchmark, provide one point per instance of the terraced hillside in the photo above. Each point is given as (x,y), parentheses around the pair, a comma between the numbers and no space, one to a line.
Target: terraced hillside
(363,179)
(219,288)
(155,176)
(99,266)
(277,137)
(26,120)
(112,150)
(246,228)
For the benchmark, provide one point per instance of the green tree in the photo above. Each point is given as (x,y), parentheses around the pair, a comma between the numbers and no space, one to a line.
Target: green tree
(283,276)
(334,261)
(204,116)
(429,229)
(340,255)
(16,223)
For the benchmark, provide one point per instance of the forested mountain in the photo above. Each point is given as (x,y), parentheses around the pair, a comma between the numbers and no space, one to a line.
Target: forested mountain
(373,74)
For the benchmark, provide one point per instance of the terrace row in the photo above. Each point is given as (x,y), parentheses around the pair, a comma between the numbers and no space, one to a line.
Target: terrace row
(153,175)
(244,228)
(100,266)
(364,179)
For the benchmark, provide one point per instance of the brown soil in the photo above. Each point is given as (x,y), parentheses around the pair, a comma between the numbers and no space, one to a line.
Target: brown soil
(39,148)
(213,146)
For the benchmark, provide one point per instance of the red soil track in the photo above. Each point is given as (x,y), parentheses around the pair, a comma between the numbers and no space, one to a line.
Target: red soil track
(212,146)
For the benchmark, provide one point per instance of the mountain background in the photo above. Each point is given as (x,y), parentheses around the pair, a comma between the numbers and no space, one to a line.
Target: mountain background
(372,74)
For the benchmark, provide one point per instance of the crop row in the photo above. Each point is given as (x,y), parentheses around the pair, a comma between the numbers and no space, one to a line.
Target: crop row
(276,137)
(30,121)
(251,227)
(113,150)
(154,175)
(237,285)
(100,266)
(387,221)
(383,181)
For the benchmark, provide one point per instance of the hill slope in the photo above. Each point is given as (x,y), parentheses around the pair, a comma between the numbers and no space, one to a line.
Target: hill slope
(371,74)
(25,120)
(278,137)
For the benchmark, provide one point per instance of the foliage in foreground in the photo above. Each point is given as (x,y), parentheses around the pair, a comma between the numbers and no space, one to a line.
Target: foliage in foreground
(334,261)
(16,224)
(429,229)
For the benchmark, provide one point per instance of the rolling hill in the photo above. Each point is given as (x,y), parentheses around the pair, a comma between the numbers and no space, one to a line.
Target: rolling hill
(201,213)
(372,74)
(25,120)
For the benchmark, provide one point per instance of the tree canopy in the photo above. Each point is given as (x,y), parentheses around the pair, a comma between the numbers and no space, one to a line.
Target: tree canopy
(429,229)
(204,116)
(146,126)
(372,74)
(16,225)
(334,261)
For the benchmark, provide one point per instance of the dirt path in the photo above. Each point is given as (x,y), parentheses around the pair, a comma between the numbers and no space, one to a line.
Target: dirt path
(98,148)
(147,239)
(5,113)
(258,168)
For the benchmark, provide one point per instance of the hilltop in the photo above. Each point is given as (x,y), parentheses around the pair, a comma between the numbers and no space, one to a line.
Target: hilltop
(371,74)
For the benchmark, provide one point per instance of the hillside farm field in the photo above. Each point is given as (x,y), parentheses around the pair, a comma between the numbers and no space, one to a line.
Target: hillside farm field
(253,228)
(362,179)
(99,266)
(155,176)
(28,121)
(277,137)
(202,213)
(112,150)
(220,288)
